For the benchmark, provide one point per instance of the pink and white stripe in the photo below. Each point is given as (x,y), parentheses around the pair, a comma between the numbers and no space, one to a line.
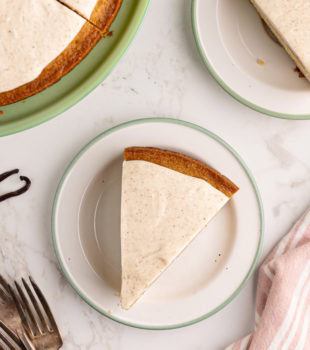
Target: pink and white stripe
(282,316)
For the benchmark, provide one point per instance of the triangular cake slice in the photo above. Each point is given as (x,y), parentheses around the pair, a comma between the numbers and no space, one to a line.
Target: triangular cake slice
(289,22)
(167,199)
(100,13)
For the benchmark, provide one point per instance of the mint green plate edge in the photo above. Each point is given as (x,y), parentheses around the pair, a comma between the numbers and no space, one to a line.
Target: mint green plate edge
(90,84)
(171,121)
(221,82)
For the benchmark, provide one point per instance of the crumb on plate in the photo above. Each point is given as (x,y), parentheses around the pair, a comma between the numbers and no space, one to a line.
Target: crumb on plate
(300,73)
(260,62)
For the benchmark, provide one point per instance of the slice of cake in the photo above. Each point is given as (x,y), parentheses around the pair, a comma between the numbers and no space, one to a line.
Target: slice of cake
(290,23)
(101,13)
(167,199)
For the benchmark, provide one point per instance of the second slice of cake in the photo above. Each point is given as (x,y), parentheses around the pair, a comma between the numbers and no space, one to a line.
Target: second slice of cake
(290,23)
(167,199)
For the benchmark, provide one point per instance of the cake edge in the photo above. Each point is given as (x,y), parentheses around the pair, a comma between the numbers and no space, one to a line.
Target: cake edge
(183,164)
(73,54)
(104,14)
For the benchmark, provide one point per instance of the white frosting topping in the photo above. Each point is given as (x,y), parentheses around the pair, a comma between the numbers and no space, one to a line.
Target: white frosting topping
(33,33)
(291,18)
(84,7)
(162,211)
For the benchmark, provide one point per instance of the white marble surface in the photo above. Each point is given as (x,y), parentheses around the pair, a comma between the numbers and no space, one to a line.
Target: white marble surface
(160,75)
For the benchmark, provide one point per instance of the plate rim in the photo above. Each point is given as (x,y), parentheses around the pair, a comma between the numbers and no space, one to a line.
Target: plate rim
(221,82)
(85,88)
(144,121)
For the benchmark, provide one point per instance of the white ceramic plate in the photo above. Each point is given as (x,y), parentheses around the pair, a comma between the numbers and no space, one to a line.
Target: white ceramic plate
(86,221)
(231,39)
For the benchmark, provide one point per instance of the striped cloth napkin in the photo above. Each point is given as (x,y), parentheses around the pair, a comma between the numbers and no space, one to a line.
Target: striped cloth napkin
(282,317)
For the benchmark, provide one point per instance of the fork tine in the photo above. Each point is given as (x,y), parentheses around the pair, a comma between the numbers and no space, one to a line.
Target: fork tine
(44,305)
(7,341)
(35,305)
(10,333)
(21,312)
(3,295)
(27,343)
(4,283)
(28,309)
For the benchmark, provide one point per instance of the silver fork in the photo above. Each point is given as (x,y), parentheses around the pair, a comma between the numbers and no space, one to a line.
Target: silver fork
(41,330)
(6,339)
(8,312)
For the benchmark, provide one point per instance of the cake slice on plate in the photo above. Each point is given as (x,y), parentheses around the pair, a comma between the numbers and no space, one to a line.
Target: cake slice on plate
(167,199)
(290,23)
(101,13)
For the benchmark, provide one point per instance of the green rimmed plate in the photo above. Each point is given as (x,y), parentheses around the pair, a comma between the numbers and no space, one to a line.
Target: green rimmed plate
(246,62)
(82,80)
(86,221)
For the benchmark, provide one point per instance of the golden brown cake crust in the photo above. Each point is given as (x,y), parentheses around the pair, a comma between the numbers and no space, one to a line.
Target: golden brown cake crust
(183,164)
(79,48)
(104,14)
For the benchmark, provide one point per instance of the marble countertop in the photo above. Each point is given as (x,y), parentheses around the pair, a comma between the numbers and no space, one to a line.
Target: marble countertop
(161,75)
